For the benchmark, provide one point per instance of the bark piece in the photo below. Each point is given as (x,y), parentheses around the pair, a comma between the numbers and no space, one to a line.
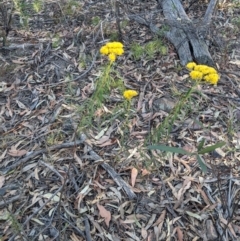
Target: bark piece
(211,231)
(184,35)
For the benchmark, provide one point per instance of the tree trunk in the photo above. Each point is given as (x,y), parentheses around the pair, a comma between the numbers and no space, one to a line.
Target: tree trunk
(187,38)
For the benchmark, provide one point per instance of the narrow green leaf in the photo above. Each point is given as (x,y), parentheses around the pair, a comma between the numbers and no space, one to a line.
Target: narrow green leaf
(169,149)
(194,215)
(211,148)
(200,146)
(201,164)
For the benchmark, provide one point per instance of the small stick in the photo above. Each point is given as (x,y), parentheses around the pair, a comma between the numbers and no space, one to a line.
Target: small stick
(42,151)
(120,38)
(37,211)
(87,229)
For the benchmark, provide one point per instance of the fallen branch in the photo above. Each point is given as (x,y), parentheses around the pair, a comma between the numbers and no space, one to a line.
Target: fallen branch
(39,152)
(9,201)
(115,176)
(187,38)
(93,155)
(38,211)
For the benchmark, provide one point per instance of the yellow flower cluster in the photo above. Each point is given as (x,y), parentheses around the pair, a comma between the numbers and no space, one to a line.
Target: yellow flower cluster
(112,49)
(129,94)
(203,72)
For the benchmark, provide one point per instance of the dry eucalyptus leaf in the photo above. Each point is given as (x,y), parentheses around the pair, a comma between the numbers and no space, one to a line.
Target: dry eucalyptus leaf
(2,180)
(179,233)
(134,174)
(17,153)
(144,233)
(104,213)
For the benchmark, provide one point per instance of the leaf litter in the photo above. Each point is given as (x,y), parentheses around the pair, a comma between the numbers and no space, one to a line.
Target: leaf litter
(54,186)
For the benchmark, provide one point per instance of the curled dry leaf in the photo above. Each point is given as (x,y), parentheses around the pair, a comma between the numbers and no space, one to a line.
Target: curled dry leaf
(74,237)
(3,86)
(144,233)
(2,180)
(229,225)
(133,236)
(186,186)
(145,172)
(109,142)
(3,155)
(150,221)
(102,140)
(104,213)
(134,174)
(17,153)
(160,219)
(236,62)
(78,159)
(179,234)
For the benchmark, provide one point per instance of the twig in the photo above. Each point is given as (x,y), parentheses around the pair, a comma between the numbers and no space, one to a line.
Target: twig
(204,25)
(208,15)
(80,76)
(117,13)
(74,227)
(221,96)
(60,199)
(20,46)
(115,176)
(18,230)
(52,169)
(46,227)
(11,200)
(42,151)
(87,229)
(38,210)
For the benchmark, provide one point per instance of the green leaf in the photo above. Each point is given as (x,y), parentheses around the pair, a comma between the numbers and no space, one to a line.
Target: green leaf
(200,146)
(211,148)
(201,164)
(169,149)
(194,215)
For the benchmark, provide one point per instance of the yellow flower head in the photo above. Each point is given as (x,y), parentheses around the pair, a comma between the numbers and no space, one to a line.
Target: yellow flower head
(129,94)
(196,75)
(112,49)
(109,45)
(200,67)
(191,65)
(203,72)
(114,45)
(104,50)
(118,45)
(112,57)
(118,51)
(210,70)
(212,78)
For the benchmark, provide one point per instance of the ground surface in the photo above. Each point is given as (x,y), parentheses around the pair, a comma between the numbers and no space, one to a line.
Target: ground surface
(53,139)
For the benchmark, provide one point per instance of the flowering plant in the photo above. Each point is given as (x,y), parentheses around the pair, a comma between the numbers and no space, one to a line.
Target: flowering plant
(203,72)
(129,94)
(112,50)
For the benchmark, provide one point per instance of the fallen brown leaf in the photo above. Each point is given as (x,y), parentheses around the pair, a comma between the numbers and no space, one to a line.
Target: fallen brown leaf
(104,213)
(145,172)
(186,185)
(134,174)
(2,180)
(17,153)
(144,233)
(179,234)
